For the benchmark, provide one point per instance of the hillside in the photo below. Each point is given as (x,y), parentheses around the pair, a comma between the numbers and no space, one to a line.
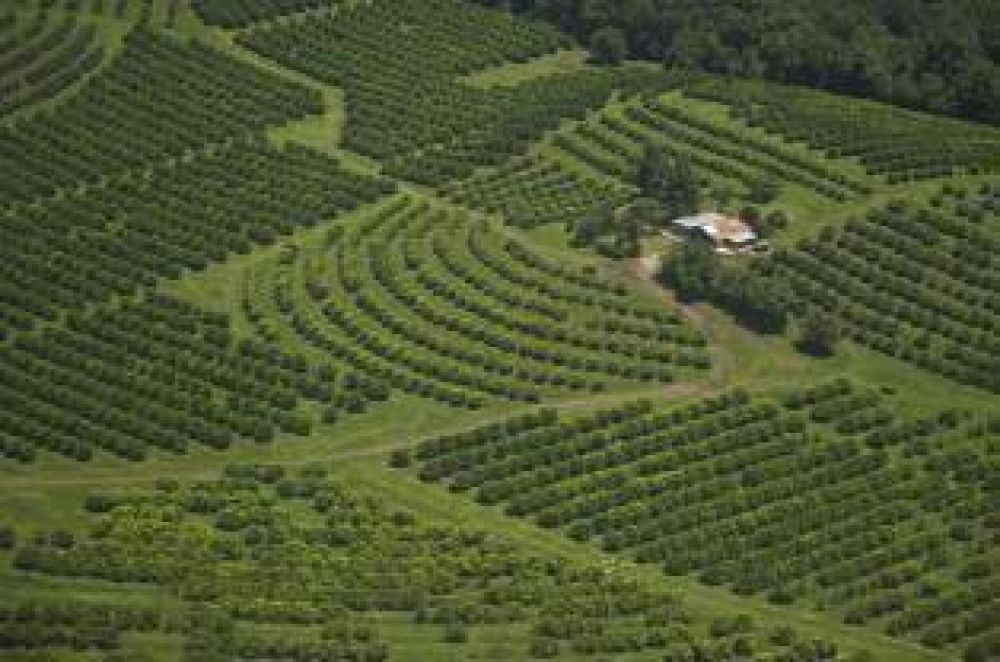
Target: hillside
(336,330)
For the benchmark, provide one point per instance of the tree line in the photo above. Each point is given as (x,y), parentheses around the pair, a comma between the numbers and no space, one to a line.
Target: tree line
(941,57)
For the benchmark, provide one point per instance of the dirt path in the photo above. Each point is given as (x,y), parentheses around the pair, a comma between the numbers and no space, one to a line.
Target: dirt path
(692,313)
(642,269)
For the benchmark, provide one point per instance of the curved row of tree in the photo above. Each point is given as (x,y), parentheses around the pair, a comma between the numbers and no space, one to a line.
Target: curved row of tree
(158,99)
(45,57)
(768,159)
(729,161)
(533,190)
(427,300)
(71,624)
(87,246)
(242,13)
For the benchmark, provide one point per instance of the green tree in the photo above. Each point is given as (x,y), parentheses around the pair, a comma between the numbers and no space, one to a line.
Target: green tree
(543,648)
(757,303)
(7,537)
(690,271)
(818,335)
(774,221)
(455,633)
(681,188)
(598,222)
(763,191)
(696,273)
(400,458)
(751,215)
(721,193)
(651,175)
(648,212)
(623,242)
(608,46)
(880,48)
(671,182)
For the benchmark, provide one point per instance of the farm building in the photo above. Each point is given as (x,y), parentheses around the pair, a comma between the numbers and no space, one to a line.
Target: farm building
(727,233)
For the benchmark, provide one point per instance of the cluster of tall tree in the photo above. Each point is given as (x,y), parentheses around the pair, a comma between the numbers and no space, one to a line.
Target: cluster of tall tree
(670,180)
(696,273)
(926,54)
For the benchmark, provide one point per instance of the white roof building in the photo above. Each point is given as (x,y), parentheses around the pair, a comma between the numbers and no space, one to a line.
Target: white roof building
(724,231)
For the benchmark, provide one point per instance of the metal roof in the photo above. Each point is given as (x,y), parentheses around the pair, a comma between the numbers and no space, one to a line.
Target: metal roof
(719,227)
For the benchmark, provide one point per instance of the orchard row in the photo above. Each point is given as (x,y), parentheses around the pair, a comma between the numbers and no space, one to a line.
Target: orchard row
(153,375)
(434,302)
(242,13)
(44,57)
(613,143)
(157,100)
(87,246)
(827,496)
(899,144)
(324,564)
(400,64)
(918,283)
(535,190)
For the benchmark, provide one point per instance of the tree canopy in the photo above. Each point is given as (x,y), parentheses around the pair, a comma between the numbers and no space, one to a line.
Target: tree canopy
(937,56)
(669,179)
(817,335)
(608,45)
(698,274)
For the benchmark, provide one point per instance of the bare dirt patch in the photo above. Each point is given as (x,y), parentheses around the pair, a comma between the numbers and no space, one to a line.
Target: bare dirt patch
(642,269)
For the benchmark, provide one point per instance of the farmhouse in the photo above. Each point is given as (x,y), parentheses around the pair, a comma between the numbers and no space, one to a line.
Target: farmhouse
(727,233)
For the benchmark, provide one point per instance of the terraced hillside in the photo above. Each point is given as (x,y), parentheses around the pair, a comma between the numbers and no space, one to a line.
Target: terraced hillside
(303,355)
(433,302)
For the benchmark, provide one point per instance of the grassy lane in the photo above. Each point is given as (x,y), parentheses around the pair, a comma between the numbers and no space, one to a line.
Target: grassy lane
(511,75)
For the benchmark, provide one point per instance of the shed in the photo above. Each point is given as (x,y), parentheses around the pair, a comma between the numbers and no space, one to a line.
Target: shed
(727,233)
